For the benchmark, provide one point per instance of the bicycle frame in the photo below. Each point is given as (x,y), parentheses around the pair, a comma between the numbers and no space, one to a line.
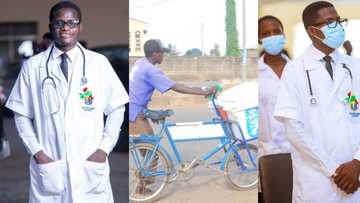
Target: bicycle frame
(228,139)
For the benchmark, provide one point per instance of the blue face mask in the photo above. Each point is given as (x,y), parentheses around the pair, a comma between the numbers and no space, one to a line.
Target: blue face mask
(273,45)
(334,36)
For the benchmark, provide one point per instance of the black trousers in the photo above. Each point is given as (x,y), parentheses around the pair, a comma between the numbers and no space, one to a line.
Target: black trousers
(2,132)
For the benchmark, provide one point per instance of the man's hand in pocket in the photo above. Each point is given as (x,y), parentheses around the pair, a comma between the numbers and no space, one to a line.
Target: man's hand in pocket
(42,158)
(98,156)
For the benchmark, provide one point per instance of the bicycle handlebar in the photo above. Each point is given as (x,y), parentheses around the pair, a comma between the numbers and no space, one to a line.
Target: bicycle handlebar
(215,89)
(212,98)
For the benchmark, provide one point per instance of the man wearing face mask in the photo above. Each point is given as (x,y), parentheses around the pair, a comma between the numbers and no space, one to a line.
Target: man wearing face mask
(318,104)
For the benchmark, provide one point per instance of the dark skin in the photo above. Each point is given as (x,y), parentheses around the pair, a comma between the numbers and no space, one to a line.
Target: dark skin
(347,174)
(65,39)
(157,58)
(267,28)
(326,15)
(348,47)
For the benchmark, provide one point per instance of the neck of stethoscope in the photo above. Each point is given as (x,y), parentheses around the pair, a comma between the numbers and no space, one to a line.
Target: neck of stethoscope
(83,56)
(344,66)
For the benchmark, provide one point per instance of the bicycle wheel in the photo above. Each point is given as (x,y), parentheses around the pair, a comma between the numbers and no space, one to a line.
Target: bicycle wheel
(238,177)
(146,186)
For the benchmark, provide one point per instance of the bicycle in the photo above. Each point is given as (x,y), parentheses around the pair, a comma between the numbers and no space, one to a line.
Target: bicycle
(151,167)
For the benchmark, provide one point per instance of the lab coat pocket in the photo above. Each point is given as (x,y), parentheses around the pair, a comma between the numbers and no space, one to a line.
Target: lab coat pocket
(51,178)
(97,176)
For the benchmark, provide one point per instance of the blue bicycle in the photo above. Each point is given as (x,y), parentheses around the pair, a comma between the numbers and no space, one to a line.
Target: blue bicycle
(151,167)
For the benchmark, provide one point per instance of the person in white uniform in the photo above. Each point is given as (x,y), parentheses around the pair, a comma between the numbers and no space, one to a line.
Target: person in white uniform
(271,64)
(318,103)
(59,100)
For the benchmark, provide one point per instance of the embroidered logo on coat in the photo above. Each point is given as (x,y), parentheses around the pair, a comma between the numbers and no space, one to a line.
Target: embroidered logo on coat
(88,98)
(353,103)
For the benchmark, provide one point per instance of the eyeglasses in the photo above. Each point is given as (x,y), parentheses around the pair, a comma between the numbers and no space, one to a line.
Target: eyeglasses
(59,24)
(334,23)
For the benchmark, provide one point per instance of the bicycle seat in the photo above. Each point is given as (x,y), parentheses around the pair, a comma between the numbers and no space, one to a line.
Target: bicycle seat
(158,115)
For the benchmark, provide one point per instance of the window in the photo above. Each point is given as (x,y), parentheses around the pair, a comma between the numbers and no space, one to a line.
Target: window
(138,41)
(130,42)
(12,35)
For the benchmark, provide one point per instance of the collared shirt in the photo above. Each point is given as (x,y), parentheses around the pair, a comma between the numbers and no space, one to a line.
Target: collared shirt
(72,56)
(319,56)
(144,79)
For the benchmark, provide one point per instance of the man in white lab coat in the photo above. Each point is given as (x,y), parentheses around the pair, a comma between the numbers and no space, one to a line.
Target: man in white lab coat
(318,103)
(59,100)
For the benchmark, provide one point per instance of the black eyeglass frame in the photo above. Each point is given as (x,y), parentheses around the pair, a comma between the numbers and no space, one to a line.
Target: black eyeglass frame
(59,24)
(340,21)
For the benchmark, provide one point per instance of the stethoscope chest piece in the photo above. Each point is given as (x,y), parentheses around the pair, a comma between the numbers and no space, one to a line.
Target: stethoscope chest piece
(313,100)
(83,81)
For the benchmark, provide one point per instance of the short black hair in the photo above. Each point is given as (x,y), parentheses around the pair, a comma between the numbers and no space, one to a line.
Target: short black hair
(61,5)
(269,17)
(47,35)
(153,45)
(311,12)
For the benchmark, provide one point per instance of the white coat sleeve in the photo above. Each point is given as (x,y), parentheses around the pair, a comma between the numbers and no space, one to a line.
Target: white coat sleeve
(114,107)
(115,93)
(289,110)
(313,154)
(265,137)
(20,99)
(356,81)
(112,129)
(27,134)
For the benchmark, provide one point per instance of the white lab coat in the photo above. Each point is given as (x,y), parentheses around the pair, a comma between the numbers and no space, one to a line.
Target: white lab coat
(72,134)
(327,135)
(272,139)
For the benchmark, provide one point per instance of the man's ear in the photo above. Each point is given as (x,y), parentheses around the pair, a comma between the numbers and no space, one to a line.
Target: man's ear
(156,54)
(315,32)
(80,27)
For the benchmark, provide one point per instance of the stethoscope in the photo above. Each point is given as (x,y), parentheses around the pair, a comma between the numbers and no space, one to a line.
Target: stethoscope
(83,80)
(313,99)
(48,85)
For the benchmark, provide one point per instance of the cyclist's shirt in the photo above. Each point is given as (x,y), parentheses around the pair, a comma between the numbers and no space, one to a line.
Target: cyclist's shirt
(144,79)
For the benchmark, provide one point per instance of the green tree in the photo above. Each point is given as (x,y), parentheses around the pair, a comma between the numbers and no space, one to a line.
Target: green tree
(194,52)
(173,50)
(232,41)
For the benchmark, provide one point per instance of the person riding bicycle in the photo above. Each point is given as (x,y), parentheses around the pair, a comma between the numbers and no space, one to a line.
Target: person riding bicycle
(145,77)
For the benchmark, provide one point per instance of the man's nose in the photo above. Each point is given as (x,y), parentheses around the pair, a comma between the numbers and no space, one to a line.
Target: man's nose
(65,27)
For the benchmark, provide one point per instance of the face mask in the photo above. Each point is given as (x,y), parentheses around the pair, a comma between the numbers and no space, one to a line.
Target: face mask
(334,37)
(273,45)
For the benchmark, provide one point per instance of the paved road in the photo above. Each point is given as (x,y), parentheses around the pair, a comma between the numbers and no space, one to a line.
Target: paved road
(206,186)
(14,179)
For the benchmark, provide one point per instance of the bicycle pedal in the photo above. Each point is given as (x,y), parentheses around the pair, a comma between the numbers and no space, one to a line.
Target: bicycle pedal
(185,167)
